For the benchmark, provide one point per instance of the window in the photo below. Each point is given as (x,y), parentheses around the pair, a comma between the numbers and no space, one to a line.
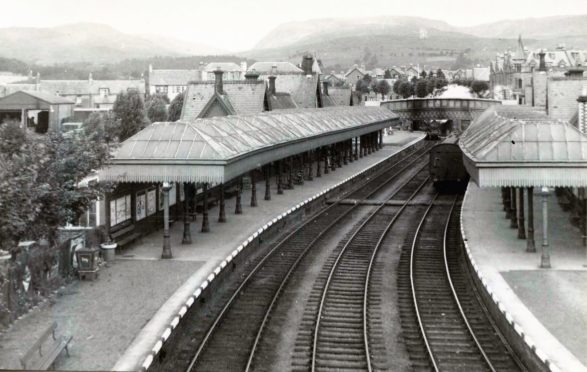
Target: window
(104,92)
(120,210)
(161,89)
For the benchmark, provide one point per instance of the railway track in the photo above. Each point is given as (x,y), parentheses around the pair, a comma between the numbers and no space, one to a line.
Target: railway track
(250,305)
(446,327)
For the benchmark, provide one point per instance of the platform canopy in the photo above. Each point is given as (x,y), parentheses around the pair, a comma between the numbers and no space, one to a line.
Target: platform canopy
(216,150)
(516,146)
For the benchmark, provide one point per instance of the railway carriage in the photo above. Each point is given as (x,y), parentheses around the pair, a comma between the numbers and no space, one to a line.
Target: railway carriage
(446,164)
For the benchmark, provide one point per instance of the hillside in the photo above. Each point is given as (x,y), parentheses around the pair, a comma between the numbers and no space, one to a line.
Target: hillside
(388,41)
(87,42)
(559,27)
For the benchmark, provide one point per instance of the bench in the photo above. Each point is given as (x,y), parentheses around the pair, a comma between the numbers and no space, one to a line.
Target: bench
(125,236)
(42,355)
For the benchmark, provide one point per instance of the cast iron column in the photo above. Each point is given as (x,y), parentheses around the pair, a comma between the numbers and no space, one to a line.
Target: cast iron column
(187,235)
(318,160)
(239,189)
(221,211)
(325,155)
(279,173)
(545,258)
(310,165)
(166,238)
(530,246)
(520,207)
(507,203)
(268,182)
(333,155)
(205,222)
(253,189)
(513,214)
(290,184)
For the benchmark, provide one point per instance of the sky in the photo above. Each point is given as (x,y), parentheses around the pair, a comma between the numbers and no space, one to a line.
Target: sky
(237,25)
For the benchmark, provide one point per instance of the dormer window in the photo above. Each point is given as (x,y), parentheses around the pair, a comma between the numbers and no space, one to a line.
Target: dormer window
(104,92)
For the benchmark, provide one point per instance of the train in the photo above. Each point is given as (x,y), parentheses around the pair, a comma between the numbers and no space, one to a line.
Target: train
(446,167)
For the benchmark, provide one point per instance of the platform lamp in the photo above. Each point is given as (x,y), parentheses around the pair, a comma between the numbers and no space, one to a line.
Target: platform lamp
(545,257)
(166,239)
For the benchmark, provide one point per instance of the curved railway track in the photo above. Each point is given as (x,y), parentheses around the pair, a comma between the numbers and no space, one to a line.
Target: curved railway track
(250,305)
(445,325)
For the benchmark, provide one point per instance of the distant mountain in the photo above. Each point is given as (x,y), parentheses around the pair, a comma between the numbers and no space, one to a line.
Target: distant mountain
(329,28)
(537,28)
(88,42)
(388,41)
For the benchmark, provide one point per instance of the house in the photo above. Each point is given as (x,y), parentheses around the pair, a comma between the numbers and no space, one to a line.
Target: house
(266,69)
(221,97)
(397,73)
(231,70)
(354,74)
(88,94)
(40,111)
(170,82)
(334,79)
(275,100)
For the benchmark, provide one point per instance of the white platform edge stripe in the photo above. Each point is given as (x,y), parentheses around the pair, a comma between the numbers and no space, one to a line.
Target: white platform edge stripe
(517,328)
(149,359)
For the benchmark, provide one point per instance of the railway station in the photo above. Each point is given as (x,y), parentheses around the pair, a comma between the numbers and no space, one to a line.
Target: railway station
(305,212)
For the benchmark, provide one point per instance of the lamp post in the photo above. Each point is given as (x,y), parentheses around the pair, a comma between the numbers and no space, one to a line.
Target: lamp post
(545,258)
(166,240)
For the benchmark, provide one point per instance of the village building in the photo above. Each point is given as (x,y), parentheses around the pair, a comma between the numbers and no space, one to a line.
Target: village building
(231,70)
(170,82)
(40,111)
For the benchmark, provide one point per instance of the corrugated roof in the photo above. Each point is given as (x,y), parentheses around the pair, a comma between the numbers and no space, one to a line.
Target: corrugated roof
(42,96)
(215,149)
(173,77)
(524,147)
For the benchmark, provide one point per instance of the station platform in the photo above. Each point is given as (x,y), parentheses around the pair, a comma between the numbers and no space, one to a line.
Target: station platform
(139,292)
(550,305)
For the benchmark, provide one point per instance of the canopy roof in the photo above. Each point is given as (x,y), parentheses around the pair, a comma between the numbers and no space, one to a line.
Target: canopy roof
(218,149)
(518,146)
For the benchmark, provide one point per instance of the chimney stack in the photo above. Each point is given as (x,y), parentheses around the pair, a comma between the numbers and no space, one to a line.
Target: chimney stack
(30,77)
(218,81)
(150,68)
(272,84)
(325,87)
(542,65)
(251,75)
(90,78)
(244,67)
(582,116)
(307,63)
(274,69)
(37,80)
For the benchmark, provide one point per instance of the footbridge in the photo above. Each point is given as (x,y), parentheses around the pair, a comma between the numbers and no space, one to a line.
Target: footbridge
(451,114)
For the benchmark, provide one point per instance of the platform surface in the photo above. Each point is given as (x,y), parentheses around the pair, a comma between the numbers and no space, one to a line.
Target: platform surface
(549,304)
(139,292)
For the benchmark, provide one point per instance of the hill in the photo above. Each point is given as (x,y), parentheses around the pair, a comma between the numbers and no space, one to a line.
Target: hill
(88,42)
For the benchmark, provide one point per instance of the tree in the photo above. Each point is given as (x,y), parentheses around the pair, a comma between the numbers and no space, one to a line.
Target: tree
(440,74)
(130,109)
(103,124)
(441,83)
(387,74)
(397,86)
(156,108)
(406,89)
(478,87)
(363,85)
(431,85)
(423,74)
(39,183)
(175,107)
(422,88)
(383,88)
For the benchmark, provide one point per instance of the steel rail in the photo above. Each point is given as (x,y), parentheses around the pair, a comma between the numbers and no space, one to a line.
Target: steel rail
(420,323)
(456,297)
(270,253)
(335,265)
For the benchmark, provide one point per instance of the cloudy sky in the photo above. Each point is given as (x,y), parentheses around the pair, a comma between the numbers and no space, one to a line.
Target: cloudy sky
(238,24)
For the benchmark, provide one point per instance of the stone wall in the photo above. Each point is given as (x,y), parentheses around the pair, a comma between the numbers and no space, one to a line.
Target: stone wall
(562,96)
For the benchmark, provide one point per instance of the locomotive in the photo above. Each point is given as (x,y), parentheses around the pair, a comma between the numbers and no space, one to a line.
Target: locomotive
(446,167)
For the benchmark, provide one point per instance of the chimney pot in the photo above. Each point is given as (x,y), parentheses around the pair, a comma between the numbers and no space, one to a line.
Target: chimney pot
(542,65)
(272,85)
(218,81)
(325,87)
